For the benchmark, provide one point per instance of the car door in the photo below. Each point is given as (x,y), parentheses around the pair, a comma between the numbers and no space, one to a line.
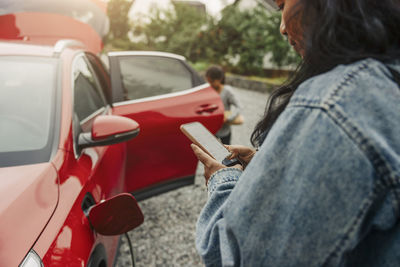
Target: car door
(161,91)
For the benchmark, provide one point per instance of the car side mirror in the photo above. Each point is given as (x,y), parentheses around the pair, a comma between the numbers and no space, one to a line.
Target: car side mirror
(116,215)
(108,130)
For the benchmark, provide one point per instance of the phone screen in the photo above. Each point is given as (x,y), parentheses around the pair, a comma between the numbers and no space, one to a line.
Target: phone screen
(199,135)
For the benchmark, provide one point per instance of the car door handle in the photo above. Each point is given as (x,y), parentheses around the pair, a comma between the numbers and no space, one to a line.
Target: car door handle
(206,108)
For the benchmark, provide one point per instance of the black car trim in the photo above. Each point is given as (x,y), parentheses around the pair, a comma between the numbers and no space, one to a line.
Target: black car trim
(163,187)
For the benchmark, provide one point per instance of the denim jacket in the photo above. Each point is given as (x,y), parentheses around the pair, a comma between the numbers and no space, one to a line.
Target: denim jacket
(324,187)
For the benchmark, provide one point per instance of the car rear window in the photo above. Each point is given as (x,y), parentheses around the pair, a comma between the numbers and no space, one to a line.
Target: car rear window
(27,99)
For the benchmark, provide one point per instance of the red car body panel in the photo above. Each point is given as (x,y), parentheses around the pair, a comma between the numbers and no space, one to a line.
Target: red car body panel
(104,129)
(68,239)
(66,142)
(153,156)
(29,194)
(47,29)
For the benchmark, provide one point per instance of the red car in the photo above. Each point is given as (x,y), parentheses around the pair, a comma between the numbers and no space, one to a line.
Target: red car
(70,141)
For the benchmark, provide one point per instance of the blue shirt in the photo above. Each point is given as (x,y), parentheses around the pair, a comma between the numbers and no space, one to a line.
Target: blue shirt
(324,188)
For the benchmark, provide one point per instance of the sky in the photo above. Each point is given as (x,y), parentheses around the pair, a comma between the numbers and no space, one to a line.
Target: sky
(142,6)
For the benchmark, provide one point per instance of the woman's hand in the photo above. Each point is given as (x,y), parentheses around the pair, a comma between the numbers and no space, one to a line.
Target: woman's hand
(243,153)
(210,164)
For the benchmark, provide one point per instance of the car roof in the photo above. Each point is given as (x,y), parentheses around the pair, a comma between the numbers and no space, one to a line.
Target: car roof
(146,53)
(26,48)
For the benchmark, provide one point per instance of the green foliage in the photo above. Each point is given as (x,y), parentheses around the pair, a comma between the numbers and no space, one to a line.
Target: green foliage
(200,66)
(174,30)
(241,39)
(117,11)
(238,41)
(237,35)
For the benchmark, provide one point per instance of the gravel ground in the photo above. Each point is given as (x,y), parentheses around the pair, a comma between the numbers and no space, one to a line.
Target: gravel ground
(166,238)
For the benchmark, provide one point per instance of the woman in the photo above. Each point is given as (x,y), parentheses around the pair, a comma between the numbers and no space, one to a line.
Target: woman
(323,189)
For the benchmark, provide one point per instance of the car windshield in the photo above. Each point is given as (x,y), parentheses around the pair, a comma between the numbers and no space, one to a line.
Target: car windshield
(27,98)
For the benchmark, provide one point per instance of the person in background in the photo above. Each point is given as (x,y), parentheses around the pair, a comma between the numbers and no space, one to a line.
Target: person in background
(323,189)
(216,78)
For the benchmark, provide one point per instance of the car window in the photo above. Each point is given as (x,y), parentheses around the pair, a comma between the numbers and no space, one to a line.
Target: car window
(145,76)
(88,97)
(27,99)
(103,77)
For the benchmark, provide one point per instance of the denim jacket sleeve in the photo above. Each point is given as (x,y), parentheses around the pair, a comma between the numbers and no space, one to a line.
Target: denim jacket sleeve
(308,198)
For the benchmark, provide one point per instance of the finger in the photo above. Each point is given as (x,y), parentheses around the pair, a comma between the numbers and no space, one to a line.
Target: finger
(201,155)
(233,148)
(242,150)
(231,153)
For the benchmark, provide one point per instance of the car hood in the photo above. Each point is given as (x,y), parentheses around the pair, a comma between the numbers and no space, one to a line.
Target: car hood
(29,196)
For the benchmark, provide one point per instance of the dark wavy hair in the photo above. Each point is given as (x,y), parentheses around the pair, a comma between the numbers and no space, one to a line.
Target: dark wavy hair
(216,73)
(336,32)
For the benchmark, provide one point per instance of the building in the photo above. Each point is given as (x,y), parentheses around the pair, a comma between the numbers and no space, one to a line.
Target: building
(248,4)
(199,6)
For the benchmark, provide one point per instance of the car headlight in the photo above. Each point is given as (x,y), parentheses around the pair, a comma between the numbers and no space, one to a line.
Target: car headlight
(32,260)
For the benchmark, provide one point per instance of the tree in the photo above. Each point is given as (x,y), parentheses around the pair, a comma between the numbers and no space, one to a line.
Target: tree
(173,30)
(117,11)
(241,39)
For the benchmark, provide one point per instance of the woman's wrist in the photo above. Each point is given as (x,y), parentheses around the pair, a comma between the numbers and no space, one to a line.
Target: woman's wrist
(223,176)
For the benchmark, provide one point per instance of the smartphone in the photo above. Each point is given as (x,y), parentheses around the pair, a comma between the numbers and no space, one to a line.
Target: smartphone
(203,138)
